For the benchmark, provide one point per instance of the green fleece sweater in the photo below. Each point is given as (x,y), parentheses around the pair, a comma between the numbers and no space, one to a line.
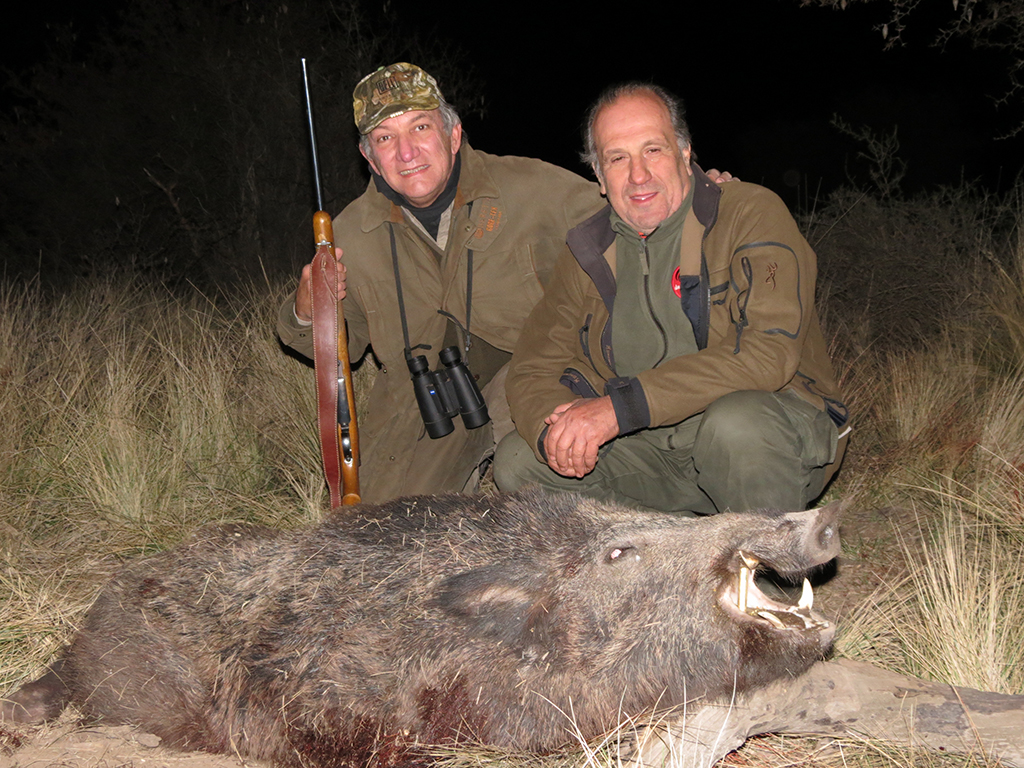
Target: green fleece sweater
(649,327)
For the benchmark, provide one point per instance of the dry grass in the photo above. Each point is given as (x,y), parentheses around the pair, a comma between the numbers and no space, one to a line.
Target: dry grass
(945,432)
(965,608)
(133,416)
(780,751)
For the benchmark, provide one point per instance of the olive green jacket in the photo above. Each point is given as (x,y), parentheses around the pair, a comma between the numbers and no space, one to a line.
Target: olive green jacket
(758,328)
(513,213)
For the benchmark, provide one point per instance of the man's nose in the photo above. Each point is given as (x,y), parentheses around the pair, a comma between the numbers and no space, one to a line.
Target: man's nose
(407,148)
(639,173)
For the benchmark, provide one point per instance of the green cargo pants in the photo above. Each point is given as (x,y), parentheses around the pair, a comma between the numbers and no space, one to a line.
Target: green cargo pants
(749,449)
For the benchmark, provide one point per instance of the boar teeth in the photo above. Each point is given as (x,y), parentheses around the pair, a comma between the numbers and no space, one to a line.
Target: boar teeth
(746,580)
(749,560)
(749,599)
(806,597)
(772,619)
(745,576)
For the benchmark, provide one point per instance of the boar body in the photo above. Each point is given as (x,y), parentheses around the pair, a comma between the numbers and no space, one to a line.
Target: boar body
(438,620)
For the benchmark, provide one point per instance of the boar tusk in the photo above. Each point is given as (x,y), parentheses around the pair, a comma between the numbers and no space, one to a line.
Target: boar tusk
(772,619)
(806,597)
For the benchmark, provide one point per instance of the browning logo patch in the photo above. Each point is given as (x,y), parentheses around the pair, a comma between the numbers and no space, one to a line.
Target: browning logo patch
(487,221)
(771,270)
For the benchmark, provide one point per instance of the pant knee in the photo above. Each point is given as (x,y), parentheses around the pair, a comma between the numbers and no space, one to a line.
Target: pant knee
(736,424)
(757,449)
(510,457)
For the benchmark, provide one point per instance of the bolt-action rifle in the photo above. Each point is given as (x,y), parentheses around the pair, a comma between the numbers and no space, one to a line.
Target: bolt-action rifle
(336,403)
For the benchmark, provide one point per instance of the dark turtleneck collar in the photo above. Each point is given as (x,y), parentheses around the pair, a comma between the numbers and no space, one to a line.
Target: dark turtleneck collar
(429,217)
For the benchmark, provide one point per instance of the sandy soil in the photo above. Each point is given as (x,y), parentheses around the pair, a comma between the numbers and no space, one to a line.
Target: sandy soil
(68,744)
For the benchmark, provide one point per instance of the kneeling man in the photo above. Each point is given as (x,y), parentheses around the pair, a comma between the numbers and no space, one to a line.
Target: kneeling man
(683,325)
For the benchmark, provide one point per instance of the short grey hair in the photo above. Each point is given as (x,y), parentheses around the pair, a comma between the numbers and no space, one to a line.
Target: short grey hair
(449,119)
(672,103)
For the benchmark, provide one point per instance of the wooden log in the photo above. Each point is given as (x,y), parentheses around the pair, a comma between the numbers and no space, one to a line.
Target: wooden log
(845,699)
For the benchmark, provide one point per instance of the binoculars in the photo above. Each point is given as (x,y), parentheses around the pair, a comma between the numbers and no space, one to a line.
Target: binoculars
(448,392)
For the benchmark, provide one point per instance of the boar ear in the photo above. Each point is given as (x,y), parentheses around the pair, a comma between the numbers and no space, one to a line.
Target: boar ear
(503,602)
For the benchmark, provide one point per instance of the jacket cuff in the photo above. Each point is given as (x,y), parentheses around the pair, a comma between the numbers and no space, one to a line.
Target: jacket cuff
(630,404)
(291,332)
(298,320)
(540,443)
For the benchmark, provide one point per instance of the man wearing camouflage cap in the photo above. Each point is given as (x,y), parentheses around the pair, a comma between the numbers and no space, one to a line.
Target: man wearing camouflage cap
(456,245)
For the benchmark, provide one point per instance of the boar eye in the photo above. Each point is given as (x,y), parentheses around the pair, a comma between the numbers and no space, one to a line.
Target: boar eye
(622,553)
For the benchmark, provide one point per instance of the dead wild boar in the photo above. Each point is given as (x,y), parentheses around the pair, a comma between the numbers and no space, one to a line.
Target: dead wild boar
(447,619)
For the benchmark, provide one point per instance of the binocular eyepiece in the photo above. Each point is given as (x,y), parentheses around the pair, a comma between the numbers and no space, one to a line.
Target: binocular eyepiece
(450,391)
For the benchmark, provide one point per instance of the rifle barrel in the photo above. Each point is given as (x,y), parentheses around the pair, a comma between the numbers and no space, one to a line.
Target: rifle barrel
(312,139)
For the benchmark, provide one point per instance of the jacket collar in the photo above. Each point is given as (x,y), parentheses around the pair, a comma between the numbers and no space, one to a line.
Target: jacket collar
(591,240)
(706,195)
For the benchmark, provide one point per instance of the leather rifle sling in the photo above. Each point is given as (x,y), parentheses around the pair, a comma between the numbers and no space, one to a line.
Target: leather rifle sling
(325,361)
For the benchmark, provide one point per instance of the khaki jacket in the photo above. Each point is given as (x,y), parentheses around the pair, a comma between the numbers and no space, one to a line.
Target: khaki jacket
(513,213)
(758,326)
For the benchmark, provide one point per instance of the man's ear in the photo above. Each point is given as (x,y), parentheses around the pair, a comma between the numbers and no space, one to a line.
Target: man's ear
(370,160)
(456,139)
(600,179)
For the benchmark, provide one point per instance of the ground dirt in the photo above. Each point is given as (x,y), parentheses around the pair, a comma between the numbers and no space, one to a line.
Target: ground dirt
(871,557)
(874,543)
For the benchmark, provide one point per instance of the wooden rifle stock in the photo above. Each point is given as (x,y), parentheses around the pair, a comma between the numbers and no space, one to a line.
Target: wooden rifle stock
(336,403)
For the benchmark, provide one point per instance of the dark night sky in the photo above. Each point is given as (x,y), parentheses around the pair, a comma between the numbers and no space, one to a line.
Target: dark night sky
(760,78)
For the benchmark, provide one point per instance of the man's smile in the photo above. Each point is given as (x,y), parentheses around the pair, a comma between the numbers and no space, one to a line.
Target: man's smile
(643,197)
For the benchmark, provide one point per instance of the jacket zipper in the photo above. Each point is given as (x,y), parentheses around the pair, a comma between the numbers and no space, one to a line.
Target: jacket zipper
(645,263)
(701,332)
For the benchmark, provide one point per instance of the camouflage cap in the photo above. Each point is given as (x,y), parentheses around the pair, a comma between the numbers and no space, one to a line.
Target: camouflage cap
(391,91)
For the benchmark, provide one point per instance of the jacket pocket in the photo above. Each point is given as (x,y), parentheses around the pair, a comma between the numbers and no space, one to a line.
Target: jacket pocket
(738,306)
(577,383)
(384,323)
(506,288)
(584,333)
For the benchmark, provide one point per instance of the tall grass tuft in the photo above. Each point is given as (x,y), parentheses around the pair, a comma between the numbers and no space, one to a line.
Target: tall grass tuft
(132,415)
(939,444)
(966,594)
(957,615)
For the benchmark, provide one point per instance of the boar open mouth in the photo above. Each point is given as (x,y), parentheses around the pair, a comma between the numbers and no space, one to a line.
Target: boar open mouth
(743,595)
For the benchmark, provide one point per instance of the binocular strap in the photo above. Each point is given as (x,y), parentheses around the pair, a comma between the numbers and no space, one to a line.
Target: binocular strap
(401,300)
